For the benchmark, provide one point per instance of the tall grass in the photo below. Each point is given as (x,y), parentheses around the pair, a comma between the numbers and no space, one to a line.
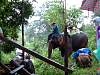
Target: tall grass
(91,32)
(7,57)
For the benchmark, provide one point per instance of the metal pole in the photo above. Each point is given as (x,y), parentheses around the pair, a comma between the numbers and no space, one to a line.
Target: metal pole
(22,29)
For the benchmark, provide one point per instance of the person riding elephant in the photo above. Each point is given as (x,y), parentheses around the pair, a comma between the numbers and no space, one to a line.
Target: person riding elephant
(55,31)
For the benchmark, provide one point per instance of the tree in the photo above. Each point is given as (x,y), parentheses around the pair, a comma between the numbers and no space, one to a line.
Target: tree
(55,13)
(11,17)
(73,15)
(13,14)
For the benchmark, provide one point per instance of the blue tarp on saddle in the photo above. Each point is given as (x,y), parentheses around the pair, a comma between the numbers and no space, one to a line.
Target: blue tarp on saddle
(85,51)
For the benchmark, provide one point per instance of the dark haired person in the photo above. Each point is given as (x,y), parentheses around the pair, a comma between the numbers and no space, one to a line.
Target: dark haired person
(55,31)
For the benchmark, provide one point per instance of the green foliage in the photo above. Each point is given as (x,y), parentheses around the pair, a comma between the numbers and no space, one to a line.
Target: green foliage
(73,15)
(55,13)
(91,32)
(39,44)
(7,57)
(42,68)
(85,71)
(6,48)
(12,15)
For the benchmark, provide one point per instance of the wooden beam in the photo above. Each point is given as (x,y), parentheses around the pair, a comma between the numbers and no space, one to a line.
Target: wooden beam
(22,28)
(23,70)
(35,54)
(16,69)
(5,67)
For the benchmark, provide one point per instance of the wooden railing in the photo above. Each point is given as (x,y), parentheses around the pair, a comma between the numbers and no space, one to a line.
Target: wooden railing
(35,54)
(8,71)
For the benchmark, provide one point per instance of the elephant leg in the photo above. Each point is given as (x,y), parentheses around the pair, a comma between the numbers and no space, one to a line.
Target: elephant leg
(49,49)
(62,52)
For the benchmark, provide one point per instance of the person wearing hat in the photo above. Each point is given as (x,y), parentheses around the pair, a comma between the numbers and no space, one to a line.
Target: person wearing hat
(55,31)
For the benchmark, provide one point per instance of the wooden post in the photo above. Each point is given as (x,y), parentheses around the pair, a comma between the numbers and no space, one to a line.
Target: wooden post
(66,51)
(66,64)
(65,37)
(22,29)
